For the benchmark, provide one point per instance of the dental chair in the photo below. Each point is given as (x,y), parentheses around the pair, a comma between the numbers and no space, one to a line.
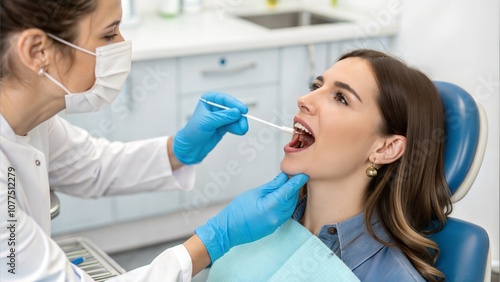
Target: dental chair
(464,247)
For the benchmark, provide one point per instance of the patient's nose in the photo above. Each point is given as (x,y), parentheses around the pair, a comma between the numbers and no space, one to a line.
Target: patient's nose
(306,104)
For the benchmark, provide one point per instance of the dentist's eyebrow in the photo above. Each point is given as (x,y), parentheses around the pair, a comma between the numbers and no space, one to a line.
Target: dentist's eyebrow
(348,88)
(115,23)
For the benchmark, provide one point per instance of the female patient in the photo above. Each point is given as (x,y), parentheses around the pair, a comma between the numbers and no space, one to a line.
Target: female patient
(371,138)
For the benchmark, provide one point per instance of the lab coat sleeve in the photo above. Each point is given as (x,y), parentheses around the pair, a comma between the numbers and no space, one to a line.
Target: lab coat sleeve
(173,264)
(82,165)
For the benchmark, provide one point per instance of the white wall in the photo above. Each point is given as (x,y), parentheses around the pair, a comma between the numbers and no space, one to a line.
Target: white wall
(458,41)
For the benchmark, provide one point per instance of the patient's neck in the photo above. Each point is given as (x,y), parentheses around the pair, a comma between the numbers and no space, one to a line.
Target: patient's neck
(332,202)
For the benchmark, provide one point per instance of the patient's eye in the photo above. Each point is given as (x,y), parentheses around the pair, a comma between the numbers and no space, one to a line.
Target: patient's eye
(314,86)
(339,96)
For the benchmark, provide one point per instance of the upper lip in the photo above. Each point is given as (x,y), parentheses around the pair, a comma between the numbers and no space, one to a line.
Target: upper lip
(304,123)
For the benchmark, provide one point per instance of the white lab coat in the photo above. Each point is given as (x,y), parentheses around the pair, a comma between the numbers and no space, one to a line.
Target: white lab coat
(65,158)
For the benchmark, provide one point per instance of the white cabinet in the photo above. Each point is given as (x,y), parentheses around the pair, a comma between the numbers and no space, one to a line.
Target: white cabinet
(98,124)
(227,70)
(147,106)
(78,214)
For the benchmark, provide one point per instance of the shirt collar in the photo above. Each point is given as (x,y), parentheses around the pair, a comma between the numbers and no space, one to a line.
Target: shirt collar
(7,132)
(356,244)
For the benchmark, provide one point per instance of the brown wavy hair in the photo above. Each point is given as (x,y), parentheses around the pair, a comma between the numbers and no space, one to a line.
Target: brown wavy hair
(411,193)
(59,17)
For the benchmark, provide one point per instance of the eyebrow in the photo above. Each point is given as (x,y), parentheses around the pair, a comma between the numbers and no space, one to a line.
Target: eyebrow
(341,85)
(115,23)
(346,86)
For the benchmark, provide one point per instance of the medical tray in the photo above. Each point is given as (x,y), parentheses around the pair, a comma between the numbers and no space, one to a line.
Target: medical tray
(97,264)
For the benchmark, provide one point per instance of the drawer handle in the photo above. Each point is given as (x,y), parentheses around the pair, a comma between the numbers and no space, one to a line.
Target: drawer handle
(237,69)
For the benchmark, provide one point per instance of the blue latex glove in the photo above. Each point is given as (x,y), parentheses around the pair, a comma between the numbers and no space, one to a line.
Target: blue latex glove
(207,125)
(251,215)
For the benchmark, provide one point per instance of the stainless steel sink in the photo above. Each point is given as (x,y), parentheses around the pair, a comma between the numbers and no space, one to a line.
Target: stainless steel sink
(289,19)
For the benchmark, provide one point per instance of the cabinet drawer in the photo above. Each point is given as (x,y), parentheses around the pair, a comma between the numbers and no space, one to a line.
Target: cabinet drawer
(137,206)
(146,107)
(81,214)
(213,72)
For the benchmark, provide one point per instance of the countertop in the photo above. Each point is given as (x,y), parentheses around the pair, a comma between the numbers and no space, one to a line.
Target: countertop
(220,30)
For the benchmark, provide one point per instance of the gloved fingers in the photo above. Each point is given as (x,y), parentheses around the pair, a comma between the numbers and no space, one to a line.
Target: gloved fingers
(289,191)
(225,100)
(238,128)
(215,120)
(203,108)
(282,201)
(274,184)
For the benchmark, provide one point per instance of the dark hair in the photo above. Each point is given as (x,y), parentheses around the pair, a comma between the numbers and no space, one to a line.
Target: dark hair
(59,17)
(410,193)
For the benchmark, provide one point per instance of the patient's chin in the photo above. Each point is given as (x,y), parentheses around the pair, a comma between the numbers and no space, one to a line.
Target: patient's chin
(290,168)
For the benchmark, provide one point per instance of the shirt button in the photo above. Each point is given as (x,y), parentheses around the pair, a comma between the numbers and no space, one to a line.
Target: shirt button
(37,162)
(332,230)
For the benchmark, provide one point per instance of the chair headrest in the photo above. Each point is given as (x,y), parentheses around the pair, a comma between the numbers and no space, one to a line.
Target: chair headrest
(466,134)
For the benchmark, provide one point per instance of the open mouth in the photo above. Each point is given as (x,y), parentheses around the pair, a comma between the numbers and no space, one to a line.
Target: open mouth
(302,139)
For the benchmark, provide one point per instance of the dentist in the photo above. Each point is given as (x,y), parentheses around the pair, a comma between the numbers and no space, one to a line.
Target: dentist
(70,55)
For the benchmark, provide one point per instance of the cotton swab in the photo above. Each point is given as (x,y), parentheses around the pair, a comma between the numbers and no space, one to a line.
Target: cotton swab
(282,128)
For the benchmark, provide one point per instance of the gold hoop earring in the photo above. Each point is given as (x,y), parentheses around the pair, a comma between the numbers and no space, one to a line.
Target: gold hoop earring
(371,171)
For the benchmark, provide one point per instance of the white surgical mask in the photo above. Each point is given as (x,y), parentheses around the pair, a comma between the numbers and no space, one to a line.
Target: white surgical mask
(112,66)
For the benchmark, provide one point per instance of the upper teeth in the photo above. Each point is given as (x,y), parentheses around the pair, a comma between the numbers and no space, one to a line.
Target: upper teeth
(301,127)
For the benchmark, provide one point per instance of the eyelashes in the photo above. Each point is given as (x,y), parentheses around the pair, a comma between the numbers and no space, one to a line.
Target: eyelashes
(314,86)
(111,37)
(338,95)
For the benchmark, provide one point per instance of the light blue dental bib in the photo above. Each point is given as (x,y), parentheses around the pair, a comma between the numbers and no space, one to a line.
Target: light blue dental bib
(291,253)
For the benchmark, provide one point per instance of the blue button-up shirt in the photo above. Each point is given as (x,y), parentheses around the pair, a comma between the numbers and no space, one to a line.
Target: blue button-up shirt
(368,259)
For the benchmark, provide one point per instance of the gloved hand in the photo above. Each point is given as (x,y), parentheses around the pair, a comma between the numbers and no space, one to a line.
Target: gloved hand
(207,125)
(251,215)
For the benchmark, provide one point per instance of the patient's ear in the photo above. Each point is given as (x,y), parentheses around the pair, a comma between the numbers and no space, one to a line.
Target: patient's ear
(391,150)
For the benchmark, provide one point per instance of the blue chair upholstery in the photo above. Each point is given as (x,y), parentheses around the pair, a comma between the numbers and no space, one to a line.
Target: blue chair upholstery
(464,247)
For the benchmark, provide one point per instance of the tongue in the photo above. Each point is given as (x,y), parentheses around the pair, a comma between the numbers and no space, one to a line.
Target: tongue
(306,139)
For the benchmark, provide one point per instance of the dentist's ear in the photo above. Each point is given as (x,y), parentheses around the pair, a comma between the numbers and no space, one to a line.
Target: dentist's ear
(392,149)
(32,49)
